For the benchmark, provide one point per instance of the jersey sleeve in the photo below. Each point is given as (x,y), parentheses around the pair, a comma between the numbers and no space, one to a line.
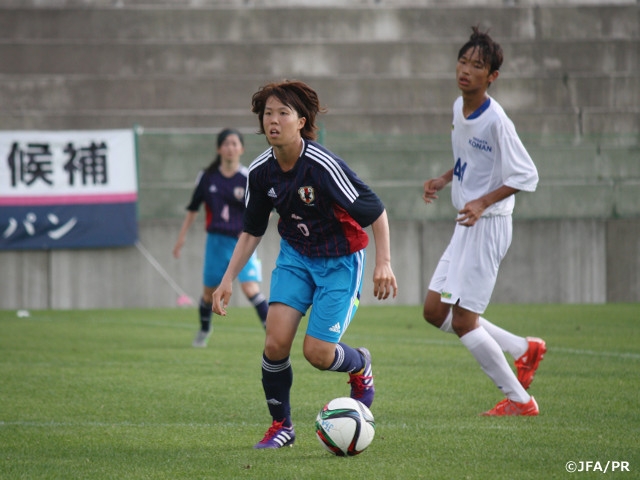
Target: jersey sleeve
(198,193)
(518,169)
(258,207)
(357,198)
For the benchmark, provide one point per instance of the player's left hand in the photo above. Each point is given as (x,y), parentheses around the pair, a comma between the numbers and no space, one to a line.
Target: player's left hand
(469,215)
(384,282)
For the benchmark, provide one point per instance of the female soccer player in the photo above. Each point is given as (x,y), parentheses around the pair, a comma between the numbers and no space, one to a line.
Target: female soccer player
(323,208)
(491,166)
(221,187)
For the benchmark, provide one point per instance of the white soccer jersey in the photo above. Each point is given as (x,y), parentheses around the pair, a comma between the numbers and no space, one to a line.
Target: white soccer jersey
(488,154)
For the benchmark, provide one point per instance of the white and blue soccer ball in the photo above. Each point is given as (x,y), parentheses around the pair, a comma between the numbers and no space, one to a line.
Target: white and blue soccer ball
(345,427)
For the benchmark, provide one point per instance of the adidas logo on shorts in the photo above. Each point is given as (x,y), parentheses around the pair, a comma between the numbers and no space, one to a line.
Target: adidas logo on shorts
(335,328)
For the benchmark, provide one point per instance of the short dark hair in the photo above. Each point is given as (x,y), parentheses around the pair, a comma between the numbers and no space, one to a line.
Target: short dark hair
(490,51)
(295,95)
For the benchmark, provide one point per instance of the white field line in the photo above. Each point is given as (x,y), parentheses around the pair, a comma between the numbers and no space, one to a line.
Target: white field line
(387,425)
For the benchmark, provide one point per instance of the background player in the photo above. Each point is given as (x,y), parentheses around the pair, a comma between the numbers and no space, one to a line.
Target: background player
(491,166)
(323,207)
(221,187)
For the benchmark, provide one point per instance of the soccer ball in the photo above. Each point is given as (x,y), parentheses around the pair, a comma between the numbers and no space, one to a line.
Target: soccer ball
(345,427)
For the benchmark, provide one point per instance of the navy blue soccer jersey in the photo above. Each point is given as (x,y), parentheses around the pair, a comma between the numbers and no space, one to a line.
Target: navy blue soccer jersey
(323,205)
(223,199)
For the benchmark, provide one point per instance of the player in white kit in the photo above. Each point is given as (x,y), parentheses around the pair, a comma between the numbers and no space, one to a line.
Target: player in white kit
(490,166)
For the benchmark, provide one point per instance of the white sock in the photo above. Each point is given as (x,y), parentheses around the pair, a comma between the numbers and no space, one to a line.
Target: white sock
(487,353)
(512,344)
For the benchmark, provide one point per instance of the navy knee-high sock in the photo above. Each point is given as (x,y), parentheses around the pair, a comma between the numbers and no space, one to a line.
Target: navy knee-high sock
(277,378)
(205,315)
(347,359)
(261,305)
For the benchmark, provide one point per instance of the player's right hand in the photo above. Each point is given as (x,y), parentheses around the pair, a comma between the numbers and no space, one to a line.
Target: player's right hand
(220,299)
(431,187)
(177,248)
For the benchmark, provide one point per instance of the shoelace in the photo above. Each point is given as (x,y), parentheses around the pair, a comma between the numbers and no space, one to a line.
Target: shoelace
(358,382)
(506,406)
(501,405)
(273,429)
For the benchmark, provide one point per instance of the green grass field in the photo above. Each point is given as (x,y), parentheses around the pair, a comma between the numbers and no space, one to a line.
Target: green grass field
(121,394)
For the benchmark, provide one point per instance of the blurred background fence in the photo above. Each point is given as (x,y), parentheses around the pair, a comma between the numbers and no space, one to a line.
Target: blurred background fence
(595,177)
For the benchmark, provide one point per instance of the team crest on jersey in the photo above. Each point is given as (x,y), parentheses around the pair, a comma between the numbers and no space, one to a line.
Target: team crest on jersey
(307,195)
(238,192)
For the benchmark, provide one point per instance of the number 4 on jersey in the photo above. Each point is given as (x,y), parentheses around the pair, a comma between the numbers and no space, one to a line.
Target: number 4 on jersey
(224,213)
(459,169)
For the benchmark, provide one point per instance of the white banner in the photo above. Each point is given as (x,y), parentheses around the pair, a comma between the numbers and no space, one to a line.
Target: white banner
(61,189)
(66,164)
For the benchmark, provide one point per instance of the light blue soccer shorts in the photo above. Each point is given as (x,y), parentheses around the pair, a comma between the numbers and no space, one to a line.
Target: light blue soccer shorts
(217,254)
(331,284)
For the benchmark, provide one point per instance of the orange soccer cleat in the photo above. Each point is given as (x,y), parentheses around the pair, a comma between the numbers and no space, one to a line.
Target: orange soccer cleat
(508,407)
(528,363)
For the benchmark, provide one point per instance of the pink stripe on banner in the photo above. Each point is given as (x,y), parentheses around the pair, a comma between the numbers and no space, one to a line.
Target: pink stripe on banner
(68,199)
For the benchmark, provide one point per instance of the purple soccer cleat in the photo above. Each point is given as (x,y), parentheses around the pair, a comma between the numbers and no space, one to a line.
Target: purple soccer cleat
(362,388)
(277,436)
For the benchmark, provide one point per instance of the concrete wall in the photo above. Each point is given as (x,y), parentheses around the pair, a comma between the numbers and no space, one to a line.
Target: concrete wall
(550,261)
(382,67)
